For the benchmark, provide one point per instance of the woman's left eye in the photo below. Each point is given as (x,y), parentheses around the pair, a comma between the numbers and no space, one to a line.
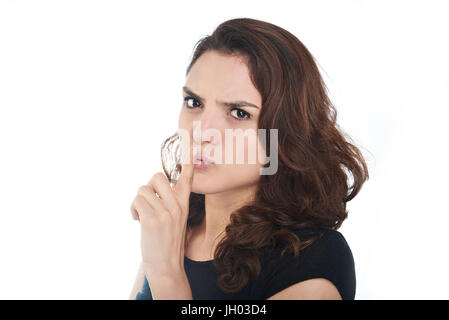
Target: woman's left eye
(240,114)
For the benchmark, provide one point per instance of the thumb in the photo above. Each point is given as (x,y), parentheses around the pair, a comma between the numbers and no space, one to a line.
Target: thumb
(184,183)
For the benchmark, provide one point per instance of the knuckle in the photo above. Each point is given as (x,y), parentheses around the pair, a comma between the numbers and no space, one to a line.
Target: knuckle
(158,176)
(142,190)
(136,203)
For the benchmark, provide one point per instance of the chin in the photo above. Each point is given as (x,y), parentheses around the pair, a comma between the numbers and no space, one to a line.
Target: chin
(204,189)
(200,184)
(203,184)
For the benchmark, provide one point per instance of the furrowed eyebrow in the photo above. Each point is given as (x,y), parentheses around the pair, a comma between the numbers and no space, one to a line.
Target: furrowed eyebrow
(190,92)
(239,103)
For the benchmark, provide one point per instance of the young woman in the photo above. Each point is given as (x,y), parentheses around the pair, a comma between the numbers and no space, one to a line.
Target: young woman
(226,231)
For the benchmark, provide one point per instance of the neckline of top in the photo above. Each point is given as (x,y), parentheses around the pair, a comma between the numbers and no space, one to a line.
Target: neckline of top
(198,262)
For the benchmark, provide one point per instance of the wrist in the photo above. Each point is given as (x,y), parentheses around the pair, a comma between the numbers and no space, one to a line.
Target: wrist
(168,271)
(171,285)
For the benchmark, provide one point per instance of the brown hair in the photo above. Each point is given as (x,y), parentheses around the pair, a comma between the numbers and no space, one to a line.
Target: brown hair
(310,186)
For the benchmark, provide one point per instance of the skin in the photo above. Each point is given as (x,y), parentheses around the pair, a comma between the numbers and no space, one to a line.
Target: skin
(162,212)
(217,77)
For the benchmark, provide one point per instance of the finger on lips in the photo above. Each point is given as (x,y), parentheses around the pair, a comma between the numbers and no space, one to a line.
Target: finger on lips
(183,186)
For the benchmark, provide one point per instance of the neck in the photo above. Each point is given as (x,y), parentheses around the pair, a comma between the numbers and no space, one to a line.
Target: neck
(218,209)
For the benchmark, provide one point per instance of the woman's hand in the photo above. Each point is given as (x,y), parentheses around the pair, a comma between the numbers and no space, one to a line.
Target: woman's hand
(163,220)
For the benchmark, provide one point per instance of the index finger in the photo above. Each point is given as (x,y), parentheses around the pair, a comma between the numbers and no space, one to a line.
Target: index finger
(184,184)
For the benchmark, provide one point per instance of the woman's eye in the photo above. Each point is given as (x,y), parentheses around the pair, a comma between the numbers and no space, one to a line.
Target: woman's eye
(240,114)
(237,114)
(190,101)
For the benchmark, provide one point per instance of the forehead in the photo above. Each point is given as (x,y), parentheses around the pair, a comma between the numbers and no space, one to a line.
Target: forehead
(223,76)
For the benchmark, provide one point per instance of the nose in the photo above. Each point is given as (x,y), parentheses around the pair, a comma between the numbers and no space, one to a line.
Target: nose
(206,128)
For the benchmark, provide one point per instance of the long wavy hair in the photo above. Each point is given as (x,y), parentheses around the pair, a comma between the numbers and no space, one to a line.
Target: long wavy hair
(310,187)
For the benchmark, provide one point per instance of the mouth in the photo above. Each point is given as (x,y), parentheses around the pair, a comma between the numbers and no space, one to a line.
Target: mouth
(203,162)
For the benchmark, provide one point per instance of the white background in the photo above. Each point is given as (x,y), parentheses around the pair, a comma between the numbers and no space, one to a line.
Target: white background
(88,90)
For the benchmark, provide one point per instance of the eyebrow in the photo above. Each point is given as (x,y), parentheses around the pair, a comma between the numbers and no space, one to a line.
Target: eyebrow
(239,103)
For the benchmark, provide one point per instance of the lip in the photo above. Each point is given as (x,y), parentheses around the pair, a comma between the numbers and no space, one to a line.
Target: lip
(203,165)
(205,162)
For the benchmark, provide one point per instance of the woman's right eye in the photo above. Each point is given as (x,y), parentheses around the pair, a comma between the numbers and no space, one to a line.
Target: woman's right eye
(190,102)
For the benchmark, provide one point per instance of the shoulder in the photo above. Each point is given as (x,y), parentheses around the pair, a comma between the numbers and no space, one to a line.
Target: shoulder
(327,258)
(330,247)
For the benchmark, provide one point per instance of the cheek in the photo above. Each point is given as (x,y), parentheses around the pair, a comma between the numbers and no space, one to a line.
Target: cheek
(247,172)
(247,150)
(183,120)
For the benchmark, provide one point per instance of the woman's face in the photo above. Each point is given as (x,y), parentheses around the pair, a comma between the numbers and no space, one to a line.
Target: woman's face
(213,86)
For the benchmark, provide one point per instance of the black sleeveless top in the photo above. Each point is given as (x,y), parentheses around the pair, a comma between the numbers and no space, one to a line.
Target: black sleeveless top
(328,257)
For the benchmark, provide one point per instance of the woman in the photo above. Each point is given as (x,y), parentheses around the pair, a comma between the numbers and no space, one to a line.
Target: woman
(226,231)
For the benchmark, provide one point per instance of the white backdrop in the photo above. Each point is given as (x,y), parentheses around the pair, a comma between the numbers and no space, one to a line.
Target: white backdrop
(88,90)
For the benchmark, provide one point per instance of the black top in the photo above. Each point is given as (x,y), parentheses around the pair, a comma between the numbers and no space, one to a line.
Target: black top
(328,257)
